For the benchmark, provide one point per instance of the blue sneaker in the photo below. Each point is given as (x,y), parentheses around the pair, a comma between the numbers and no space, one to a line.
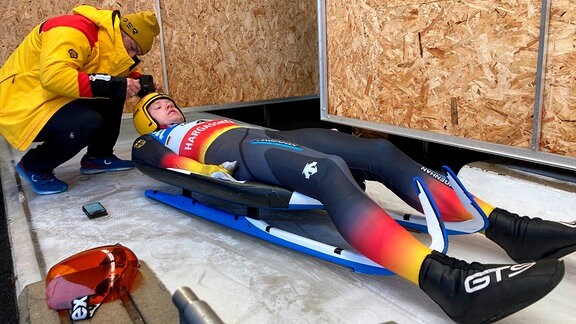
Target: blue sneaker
(90,165)
(42,183)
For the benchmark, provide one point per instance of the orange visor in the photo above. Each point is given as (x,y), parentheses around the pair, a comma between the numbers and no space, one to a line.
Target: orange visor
(85,280)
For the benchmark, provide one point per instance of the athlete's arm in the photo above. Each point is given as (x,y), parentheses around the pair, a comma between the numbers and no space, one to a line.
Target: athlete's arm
(149,151)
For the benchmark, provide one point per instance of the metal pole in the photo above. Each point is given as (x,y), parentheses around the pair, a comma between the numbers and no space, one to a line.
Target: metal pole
(162,48)
(322,58)
(540,76)
(192,310)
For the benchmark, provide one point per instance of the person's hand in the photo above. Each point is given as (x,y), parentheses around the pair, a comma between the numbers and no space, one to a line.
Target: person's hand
(229,166)
(223,176)
(226,167)
(132,87)
(223,171)
(158,87)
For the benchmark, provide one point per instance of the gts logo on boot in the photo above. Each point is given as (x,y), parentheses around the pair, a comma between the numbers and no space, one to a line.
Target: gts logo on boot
(481,280)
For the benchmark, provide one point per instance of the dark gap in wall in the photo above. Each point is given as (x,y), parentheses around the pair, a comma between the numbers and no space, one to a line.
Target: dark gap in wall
(8,304)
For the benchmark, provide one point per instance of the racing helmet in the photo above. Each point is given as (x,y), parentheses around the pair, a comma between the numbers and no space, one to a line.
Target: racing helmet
(143,122)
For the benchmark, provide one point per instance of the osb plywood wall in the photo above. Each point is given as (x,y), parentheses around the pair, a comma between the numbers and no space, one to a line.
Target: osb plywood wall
(559,120)
(217,52)
(463,68)
(237,51)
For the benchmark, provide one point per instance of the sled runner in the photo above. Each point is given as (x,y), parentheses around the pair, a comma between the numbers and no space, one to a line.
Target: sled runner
(256,196)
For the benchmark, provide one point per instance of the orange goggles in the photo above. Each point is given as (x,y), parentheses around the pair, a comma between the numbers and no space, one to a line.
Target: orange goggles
(82,282)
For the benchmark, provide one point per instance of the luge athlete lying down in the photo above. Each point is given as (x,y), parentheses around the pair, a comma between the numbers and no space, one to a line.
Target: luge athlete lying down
(327,165)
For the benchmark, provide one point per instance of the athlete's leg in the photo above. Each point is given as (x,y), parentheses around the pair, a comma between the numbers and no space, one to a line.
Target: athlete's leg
(380,160)
(523,238)
(361,222)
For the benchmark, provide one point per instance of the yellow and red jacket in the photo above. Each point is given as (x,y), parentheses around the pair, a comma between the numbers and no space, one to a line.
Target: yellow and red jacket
(53,66)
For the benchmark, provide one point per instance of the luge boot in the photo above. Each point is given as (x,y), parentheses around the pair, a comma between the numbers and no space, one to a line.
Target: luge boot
(484,293)
(528,239)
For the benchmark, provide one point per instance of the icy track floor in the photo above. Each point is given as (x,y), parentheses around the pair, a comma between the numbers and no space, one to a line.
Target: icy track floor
(245,280)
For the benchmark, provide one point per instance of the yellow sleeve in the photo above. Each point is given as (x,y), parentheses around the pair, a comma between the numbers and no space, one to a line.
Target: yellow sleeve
(64,52)
(181,162)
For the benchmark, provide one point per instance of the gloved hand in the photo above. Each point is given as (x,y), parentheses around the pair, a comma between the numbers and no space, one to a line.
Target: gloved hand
(223,171)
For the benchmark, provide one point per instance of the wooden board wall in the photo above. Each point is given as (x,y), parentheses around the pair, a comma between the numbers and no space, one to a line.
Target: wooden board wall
(559,121)
(462,68)
(238,51)
(217,52)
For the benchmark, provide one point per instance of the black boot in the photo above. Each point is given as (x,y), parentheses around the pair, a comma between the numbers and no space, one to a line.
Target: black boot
(527,239)
(484,293)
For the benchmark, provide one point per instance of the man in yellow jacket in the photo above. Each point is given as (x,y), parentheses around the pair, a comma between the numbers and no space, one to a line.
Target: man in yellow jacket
(65,86)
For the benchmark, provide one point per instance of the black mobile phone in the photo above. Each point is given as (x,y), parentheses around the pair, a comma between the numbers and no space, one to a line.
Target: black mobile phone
(146,85)
(94,210)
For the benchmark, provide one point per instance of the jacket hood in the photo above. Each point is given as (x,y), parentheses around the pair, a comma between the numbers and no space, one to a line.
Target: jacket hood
(102,18)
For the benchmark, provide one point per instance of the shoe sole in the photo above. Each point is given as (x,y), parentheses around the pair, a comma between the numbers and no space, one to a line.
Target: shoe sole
(562,252)
(556,255)
(25,176)
(96,171)
(554,281)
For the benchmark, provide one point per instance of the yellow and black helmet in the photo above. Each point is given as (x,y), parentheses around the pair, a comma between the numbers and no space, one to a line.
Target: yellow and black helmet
(143,122)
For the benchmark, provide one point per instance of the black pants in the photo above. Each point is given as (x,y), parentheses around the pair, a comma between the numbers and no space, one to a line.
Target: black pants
(92,123)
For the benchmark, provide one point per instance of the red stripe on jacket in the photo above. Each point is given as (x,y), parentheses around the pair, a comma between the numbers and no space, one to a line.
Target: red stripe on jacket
(78,22)
(86,27)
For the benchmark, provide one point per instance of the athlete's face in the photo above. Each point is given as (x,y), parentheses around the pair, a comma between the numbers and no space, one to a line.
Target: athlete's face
(165,113)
